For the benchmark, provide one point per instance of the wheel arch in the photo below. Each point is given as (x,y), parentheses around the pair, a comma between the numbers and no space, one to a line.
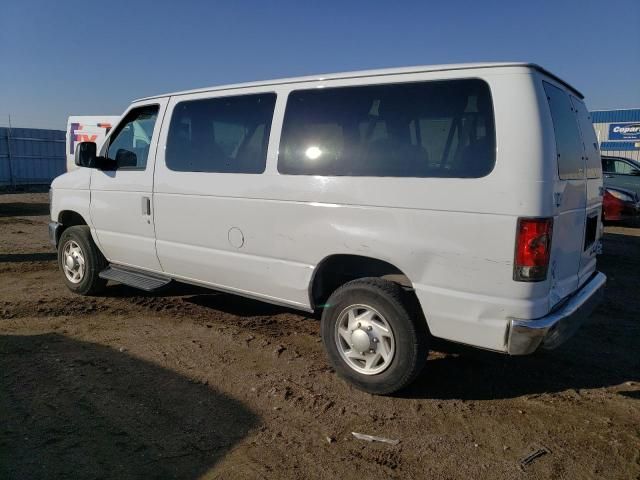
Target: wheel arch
(71,218)
(66,219)
(335,270)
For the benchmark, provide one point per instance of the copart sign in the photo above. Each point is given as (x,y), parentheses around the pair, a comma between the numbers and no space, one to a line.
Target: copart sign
(624,131)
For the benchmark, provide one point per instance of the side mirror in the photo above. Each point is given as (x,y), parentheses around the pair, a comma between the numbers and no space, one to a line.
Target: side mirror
(85,155)
(635,173)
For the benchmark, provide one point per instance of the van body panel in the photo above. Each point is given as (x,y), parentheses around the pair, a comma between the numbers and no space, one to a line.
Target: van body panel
(74,194)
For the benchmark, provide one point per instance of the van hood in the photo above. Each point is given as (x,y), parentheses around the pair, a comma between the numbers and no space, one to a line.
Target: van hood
(78,179)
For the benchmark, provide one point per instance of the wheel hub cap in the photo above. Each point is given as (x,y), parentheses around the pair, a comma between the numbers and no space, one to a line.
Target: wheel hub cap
(360,340)
(364,339)
(73,264)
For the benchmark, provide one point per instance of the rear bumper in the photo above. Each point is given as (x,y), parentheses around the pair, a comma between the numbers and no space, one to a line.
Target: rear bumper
(525,336)
(54,233)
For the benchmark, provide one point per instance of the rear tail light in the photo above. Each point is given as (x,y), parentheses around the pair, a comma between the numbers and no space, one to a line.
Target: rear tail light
(533,249)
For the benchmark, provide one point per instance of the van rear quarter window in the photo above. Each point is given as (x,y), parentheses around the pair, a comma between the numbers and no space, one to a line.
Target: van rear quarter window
(224,134)
(422,129)
(568,141)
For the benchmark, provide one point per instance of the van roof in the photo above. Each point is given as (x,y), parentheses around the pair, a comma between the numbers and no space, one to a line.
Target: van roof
(372,73)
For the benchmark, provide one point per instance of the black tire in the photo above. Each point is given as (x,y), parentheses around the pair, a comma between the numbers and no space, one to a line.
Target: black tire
(91,283)
(401,312)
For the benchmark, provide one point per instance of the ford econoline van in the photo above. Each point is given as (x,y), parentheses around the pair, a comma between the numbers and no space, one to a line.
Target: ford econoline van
(458,201)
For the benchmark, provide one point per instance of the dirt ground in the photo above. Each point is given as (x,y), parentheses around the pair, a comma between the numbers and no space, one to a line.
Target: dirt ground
(190,383)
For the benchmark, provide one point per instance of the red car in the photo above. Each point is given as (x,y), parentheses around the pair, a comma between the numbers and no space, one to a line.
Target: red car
(619,205)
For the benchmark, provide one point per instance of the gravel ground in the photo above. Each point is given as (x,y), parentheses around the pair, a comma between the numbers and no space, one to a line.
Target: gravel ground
(191,383)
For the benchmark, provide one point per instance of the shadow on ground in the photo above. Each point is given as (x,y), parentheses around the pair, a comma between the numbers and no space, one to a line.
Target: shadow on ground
(70,409)
(231,304)
(27,257)
(239,306)
(173,289)
(23,209)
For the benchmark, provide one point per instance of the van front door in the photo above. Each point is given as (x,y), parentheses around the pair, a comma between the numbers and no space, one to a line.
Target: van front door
(122,199)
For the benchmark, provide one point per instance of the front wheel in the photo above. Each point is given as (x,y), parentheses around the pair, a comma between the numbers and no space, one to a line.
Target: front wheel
(372,335)
(80,261)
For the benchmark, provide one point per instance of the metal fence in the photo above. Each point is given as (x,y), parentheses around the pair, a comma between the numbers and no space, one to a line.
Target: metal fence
(31,156)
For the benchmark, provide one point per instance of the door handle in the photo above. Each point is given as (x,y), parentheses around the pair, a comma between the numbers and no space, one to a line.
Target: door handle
(146,206)
(558,198)
(608,176)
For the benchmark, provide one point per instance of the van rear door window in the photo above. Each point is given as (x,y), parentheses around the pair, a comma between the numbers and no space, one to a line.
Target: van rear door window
(589,139)
(568,141)
(224,134)
(425,129)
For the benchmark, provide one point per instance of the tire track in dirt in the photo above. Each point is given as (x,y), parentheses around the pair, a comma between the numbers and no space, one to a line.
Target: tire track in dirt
(253,317)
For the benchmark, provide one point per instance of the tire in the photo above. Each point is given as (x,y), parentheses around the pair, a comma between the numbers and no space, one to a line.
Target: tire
(390,304)
(77,241)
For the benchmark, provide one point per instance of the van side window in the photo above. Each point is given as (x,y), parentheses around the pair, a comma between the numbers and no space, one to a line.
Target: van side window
(226,134)
(568,140)
(422,129)
(129,144)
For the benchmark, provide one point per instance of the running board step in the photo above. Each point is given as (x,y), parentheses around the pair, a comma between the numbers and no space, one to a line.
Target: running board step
(134,278)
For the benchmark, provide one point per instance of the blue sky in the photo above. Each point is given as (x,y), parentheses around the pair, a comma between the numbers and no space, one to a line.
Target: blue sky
(68,57)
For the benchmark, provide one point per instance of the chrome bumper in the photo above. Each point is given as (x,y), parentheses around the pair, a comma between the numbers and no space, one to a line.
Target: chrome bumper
(54,233)
(525,336)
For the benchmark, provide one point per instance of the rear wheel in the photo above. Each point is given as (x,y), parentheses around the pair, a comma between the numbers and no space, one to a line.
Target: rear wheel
(80,261)
(372,335)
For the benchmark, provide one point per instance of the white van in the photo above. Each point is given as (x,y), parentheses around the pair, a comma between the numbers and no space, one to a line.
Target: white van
(86,128)
(457,201)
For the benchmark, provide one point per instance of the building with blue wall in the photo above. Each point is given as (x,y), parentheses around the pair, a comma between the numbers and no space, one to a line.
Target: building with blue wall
(618,132)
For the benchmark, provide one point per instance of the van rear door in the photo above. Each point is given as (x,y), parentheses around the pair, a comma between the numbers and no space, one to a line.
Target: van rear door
(567,242)
(593,164)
